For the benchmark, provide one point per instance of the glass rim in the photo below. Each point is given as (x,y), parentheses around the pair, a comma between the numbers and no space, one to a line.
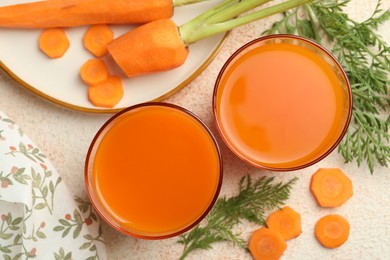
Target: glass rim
(292,37)
(91,191)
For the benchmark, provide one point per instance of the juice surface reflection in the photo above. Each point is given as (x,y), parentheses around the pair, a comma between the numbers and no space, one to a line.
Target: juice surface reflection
(280,105)
(156,170)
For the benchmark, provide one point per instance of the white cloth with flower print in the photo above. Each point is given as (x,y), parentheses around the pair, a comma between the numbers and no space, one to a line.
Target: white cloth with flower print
(39,217)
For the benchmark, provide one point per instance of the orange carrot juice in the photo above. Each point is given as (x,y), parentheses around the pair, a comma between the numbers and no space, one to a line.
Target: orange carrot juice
(282,105)
(155,171)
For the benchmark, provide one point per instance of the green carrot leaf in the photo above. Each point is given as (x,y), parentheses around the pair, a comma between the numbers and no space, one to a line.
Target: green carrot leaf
(254,200)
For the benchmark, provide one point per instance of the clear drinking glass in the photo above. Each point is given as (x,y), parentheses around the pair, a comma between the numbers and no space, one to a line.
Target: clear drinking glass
(282,102)
(153,171)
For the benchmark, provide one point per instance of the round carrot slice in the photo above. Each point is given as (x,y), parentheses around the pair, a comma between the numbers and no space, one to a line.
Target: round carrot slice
(331,187)
(107,93)
(94,71)
(97,38)
(286,221)
(53,42)
(332,231)
(266,244)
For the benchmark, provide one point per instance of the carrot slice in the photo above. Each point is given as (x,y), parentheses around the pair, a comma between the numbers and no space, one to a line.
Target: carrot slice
(96,39)
(332,231)
(331,187)
(286,221)
(107,93)
(266,244)
(94,71)
(53,42)
(152,47)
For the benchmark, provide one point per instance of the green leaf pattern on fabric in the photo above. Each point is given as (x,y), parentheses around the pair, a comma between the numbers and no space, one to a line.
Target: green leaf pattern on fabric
(39,217)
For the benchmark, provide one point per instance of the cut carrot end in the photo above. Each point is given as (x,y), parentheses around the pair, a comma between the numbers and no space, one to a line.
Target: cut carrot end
(266,244)
(286,221)
(152,47)
(331,187)
(94,71)
(332,231)
(107,93)
(96,39)
(53,42)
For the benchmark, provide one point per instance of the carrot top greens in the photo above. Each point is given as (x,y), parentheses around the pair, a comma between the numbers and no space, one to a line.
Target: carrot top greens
(251,204)
(365,57)
(223,17)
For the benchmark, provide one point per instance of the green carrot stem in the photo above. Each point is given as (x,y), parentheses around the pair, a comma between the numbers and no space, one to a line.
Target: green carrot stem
(200,19)
(310,12)
(282,7)
(216,22)
(235,10)
(185,2)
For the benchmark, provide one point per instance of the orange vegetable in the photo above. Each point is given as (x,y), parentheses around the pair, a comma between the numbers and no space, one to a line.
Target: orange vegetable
(107,93)
(53,42)
(285,221)
(161,45)
(332,231)
(152,47)
(96,38)
(331,187)
(94,71)
(266,244)
(67,13)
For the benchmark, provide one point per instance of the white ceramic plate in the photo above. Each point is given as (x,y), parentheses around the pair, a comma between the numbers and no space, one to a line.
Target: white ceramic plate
(58,80)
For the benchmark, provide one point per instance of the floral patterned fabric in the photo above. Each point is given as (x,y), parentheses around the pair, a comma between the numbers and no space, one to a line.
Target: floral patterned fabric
(39,217)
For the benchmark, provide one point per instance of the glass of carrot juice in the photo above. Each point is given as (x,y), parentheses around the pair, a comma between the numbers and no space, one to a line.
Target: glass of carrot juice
(153,171)
(282,102)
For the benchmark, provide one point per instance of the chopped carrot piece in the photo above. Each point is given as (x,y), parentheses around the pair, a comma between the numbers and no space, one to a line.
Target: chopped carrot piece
(152,47)
(286,221)
(107,93)
(94,71)
(332,231)
(266,244)
(331,187)
(96,38)
(53,42)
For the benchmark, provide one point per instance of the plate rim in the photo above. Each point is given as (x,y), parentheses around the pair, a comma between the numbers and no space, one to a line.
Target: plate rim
(67,105)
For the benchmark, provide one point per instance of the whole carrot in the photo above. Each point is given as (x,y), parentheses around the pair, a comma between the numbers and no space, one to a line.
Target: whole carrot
(69,13)
(162,45)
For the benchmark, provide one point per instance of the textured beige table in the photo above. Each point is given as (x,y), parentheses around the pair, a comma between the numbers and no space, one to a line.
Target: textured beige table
(64,135)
